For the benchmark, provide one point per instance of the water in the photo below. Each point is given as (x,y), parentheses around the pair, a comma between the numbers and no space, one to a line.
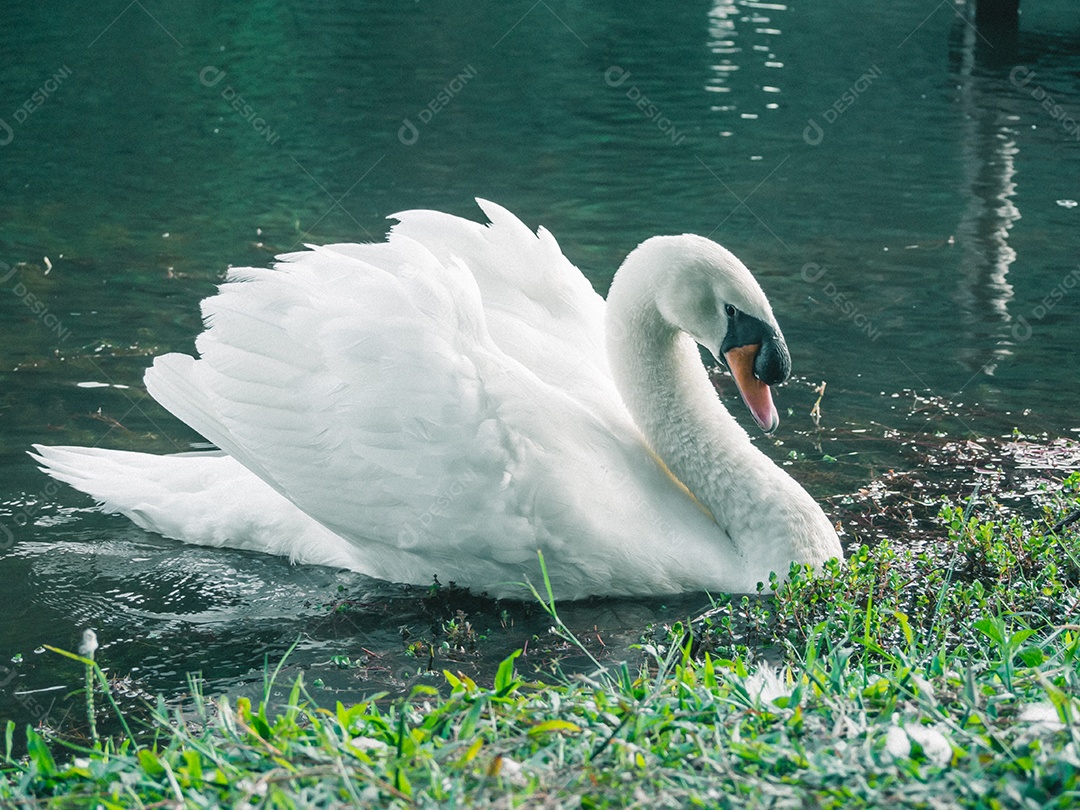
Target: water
(897,185)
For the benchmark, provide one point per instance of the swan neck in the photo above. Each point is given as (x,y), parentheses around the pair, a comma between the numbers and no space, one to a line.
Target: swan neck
(768,518)
(658,371)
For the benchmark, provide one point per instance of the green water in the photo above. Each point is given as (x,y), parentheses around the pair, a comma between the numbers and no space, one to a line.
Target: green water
(897,185)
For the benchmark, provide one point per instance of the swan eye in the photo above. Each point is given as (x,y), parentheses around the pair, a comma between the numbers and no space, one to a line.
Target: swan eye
(729,310)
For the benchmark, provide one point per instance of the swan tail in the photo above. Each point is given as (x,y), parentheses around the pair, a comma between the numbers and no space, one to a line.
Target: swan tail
(121,482)
(205,499)
(171,380)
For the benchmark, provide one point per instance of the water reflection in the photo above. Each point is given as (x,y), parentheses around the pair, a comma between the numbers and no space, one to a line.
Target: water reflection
(988,157)
(739,27)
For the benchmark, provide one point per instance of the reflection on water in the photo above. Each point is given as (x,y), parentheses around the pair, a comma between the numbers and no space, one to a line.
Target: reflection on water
(989,150)
(741,36)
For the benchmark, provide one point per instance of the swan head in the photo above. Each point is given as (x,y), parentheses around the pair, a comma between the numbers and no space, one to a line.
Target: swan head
(708,293)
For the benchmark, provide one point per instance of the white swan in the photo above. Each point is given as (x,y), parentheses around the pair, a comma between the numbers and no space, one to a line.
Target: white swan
(446,404)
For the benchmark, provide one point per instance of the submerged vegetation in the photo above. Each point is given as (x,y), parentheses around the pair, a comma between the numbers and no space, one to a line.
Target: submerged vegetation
(943,674)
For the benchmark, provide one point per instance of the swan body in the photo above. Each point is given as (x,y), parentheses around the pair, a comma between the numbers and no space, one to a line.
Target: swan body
(453,400)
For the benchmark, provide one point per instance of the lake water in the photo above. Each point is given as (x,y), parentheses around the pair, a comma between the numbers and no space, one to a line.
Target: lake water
(905,191)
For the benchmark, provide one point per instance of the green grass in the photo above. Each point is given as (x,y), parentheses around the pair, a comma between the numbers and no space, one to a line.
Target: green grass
(936,677)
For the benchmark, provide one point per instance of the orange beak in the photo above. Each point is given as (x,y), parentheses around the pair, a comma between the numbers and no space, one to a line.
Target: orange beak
(755,393)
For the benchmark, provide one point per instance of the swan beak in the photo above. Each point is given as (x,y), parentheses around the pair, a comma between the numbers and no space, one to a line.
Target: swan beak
(755,393)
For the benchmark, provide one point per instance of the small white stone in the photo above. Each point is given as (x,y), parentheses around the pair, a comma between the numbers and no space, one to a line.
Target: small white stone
(368,744)
(935,745)
(1044,715)
(511,771)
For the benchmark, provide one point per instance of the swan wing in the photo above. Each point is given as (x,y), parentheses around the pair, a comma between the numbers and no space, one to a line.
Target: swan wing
(538,307)
(444,394)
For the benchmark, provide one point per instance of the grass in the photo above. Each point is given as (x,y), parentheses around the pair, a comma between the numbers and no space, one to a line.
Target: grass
(939,676)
